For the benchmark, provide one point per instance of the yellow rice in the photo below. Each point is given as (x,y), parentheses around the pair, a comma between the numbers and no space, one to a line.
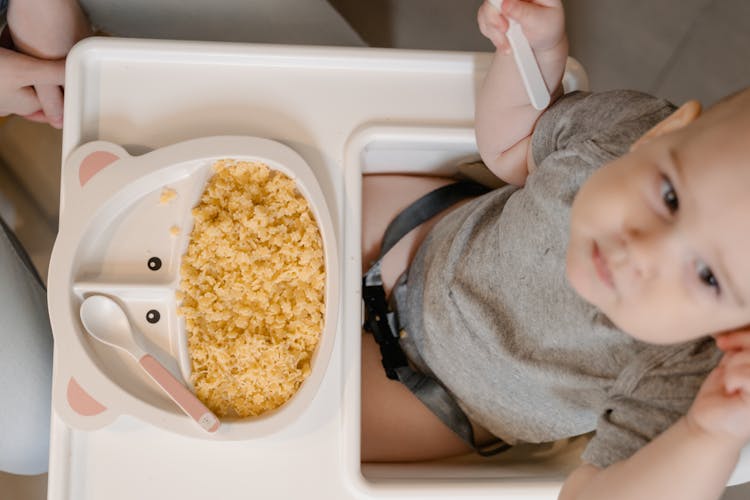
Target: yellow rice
(252,290)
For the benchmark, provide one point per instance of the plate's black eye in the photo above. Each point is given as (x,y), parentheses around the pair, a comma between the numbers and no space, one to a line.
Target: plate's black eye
(153,316)
(154,263)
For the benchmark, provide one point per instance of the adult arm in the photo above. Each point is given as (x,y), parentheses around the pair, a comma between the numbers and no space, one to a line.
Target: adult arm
(47,29)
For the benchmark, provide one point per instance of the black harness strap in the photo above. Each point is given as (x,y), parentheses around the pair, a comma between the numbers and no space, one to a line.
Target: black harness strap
(382,322)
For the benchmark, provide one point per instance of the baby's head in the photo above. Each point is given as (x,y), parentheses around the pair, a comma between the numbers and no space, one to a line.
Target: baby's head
(660,238)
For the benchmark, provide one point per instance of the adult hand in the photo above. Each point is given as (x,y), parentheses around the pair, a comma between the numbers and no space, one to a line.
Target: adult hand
(46,30)
(20,74)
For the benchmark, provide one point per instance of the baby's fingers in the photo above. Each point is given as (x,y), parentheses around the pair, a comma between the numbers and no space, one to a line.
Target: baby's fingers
(528,14)
(734,341)
(737,372)
(493,25)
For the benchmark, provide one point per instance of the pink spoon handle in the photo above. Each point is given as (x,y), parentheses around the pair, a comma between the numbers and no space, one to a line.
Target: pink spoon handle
(183,397)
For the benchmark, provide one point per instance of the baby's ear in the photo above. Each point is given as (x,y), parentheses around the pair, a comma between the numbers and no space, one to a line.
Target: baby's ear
(685,114)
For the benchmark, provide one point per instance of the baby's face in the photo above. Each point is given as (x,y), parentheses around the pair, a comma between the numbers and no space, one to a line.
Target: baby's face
(660,238)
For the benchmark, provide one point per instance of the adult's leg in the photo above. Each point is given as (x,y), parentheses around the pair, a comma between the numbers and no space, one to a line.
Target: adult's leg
(396,426)
(25,363)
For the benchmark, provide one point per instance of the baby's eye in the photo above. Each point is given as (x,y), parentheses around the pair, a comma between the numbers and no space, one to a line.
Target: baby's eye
(669,195)
(707,276)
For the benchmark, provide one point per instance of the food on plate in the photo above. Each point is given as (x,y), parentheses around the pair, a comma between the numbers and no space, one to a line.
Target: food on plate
(252,290)
(167,195)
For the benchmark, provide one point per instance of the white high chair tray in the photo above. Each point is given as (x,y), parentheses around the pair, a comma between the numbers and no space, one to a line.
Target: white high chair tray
(344,111)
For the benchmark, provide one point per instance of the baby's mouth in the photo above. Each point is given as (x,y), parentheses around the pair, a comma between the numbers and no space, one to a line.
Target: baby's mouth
(602,269)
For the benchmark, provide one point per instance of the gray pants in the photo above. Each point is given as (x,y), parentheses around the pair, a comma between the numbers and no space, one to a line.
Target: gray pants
(25,362)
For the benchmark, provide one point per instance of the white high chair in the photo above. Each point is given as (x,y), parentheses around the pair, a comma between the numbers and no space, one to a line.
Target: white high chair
(346,112)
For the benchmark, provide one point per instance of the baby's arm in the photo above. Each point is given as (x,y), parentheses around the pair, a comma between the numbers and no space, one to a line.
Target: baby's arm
(683,463)
(504,116)
(694,458)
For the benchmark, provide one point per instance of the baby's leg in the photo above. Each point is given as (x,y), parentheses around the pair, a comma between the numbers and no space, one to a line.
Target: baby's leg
(384,197)
(396,426)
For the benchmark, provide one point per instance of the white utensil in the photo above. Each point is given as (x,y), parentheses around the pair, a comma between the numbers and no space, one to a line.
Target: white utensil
(105,320)
(526,62)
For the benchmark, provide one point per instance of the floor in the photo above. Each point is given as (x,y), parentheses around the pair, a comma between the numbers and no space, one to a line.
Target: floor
(677,49)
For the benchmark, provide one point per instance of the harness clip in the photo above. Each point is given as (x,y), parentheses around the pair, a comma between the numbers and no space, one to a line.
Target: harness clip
(376,322)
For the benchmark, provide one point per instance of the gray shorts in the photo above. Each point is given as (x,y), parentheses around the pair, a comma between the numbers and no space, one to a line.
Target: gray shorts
(398,305)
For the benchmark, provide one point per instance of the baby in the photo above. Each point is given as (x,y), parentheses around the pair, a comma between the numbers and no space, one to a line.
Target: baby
(597,297)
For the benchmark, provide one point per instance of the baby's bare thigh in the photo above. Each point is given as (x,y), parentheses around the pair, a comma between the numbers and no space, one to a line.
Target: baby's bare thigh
(384,197)
(396,426)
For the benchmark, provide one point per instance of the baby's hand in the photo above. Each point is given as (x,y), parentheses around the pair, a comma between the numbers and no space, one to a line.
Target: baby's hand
(722,406)
(543,22)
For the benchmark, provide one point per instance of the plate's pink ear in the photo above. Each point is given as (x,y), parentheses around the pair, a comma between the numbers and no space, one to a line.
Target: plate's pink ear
(93,163)
(81,401)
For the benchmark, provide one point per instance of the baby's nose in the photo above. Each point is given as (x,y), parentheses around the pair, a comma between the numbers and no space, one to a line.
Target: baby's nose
(648,253)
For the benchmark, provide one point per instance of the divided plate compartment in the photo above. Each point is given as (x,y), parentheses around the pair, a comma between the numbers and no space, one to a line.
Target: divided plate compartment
(125,222)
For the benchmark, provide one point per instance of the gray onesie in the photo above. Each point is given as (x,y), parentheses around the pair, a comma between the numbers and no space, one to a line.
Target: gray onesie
(488,311)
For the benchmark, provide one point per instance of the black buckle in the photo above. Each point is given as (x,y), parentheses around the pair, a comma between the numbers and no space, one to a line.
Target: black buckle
(376,322)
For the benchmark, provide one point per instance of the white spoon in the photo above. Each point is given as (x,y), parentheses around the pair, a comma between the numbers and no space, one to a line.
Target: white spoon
(526,62)
(105,320)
